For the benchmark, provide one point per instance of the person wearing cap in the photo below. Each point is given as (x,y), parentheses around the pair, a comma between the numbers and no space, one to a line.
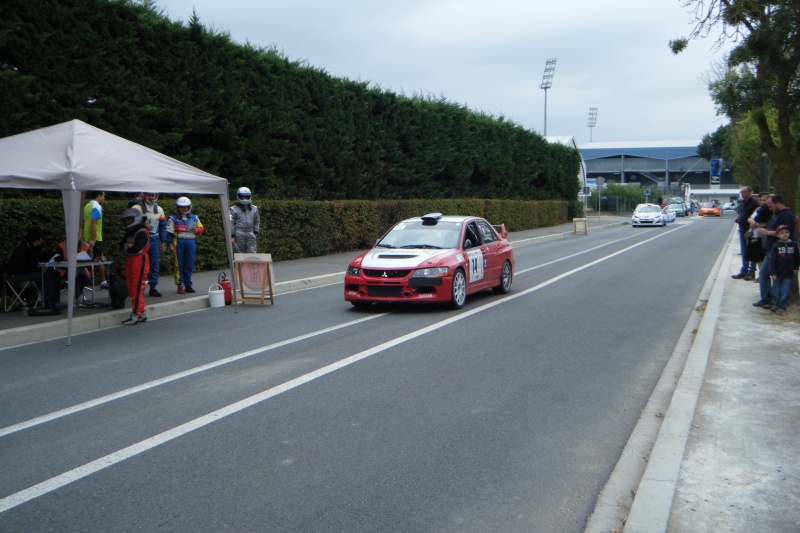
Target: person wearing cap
(156,222)
(781,216)
(784,260)
(245,222)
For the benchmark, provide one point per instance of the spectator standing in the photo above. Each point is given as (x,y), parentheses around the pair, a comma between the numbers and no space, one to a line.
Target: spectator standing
(245,222)
(784,260)
(135,244)
(781,216)
(185,227)
(756,251)
(93,231)
(156,222)
(23,265)
(137,200)
(744,210)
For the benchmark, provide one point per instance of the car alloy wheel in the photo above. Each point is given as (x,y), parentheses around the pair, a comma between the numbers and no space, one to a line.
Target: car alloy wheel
(505,279)
(458,290)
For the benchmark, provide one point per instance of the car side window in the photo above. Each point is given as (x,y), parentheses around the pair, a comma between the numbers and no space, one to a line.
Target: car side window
(487,233)
(472,234)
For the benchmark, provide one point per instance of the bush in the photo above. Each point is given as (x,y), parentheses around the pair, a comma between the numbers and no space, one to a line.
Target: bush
(290,229)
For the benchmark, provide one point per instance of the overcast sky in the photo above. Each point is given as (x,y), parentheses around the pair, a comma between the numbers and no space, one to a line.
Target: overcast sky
(491,56)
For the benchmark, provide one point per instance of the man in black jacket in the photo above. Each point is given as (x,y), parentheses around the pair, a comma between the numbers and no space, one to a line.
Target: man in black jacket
(746,207)
(781,216)
(24,266)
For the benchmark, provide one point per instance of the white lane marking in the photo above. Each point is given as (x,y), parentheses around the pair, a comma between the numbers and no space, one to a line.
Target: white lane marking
(97,465)
(589,250)
(174,377)
(161,381)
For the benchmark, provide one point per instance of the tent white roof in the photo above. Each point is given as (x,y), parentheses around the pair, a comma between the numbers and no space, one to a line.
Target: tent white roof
(75,158)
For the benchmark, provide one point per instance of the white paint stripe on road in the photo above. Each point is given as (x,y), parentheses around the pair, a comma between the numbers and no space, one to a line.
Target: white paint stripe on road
(586,252)
(174,377)
(26,495)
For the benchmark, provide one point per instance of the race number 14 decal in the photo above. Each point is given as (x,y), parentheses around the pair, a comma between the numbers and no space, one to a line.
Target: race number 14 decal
(475,258)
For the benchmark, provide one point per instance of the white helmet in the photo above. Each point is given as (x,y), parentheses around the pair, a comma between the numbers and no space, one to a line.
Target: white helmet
(244,196)
(136,217)
(184,202)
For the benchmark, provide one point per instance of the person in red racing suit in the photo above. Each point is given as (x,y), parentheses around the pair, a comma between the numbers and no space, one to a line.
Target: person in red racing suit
(135,244)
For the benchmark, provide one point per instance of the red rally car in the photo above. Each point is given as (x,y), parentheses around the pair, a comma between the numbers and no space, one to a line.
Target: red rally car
(432,258)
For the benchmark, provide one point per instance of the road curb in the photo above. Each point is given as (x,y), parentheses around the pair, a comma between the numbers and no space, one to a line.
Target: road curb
(652,503)
(86,324)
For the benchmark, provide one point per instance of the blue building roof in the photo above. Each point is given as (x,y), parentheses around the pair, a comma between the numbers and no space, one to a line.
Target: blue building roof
(651,149)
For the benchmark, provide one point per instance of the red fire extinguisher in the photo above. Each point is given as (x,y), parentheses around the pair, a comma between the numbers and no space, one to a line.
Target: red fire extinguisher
(226,286)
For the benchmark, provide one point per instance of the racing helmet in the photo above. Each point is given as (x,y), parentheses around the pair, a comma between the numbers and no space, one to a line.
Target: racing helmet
(244,196)
(184,202)
(132,218)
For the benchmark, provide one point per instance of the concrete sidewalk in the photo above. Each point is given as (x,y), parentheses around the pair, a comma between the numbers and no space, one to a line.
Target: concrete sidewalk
(727,456)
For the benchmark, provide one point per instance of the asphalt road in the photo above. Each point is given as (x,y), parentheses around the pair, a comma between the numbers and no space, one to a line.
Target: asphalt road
(310,415)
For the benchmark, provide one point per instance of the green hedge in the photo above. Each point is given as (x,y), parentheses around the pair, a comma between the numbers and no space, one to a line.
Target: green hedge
(290,229)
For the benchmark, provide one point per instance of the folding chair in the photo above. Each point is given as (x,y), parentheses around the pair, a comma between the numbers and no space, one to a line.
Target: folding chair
(18,292)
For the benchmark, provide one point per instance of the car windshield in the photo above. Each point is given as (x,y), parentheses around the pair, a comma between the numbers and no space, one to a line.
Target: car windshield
(648,209)
(416,235)
(710,206)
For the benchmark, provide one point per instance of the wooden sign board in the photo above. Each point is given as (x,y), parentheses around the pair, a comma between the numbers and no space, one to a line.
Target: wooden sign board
(580,225)
(254,274)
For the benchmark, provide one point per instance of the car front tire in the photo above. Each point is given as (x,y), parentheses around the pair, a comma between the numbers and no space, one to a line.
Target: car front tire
(360,304)
(458,290)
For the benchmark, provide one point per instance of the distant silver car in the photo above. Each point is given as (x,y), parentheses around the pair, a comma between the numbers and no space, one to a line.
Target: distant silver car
(670,213)
(730,206)
(648,215)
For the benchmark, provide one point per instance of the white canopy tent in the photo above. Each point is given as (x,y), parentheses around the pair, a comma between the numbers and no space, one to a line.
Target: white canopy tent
(75,158)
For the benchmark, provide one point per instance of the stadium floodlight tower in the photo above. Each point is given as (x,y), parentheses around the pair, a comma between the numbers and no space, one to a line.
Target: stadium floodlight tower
(592,121)
(547,82)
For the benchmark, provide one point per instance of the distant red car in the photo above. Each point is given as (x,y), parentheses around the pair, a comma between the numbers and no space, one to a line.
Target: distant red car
(709,210)
(433,258)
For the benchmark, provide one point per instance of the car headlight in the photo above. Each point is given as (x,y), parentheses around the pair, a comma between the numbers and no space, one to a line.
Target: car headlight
(436,272)
(353,271)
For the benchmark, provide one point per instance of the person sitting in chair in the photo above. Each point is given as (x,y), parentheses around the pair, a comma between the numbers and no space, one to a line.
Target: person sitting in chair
(81,274)
(24,266)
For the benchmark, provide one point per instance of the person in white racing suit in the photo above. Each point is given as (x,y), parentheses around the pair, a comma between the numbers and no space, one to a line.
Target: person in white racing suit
(245,222)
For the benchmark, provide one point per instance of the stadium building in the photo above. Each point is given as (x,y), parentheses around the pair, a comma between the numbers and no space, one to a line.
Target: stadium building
(667,168)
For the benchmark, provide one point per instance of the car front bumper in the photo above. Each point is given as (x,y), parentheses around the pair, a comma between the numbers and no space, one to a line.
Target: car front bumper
(408,289)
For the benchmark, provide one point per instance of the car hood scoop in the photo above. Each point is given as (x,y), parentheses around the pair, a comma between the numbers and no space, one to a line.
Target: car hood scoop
(382,258)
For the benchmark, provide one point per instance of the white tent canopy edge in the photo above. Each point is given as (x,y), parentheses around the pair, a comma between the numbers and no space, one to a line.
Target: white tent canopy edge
(75,158)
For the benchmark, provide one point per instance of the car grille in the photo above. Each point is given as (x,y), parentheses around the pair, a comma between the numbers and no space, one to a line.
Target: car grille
(384,291)
(374,273)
